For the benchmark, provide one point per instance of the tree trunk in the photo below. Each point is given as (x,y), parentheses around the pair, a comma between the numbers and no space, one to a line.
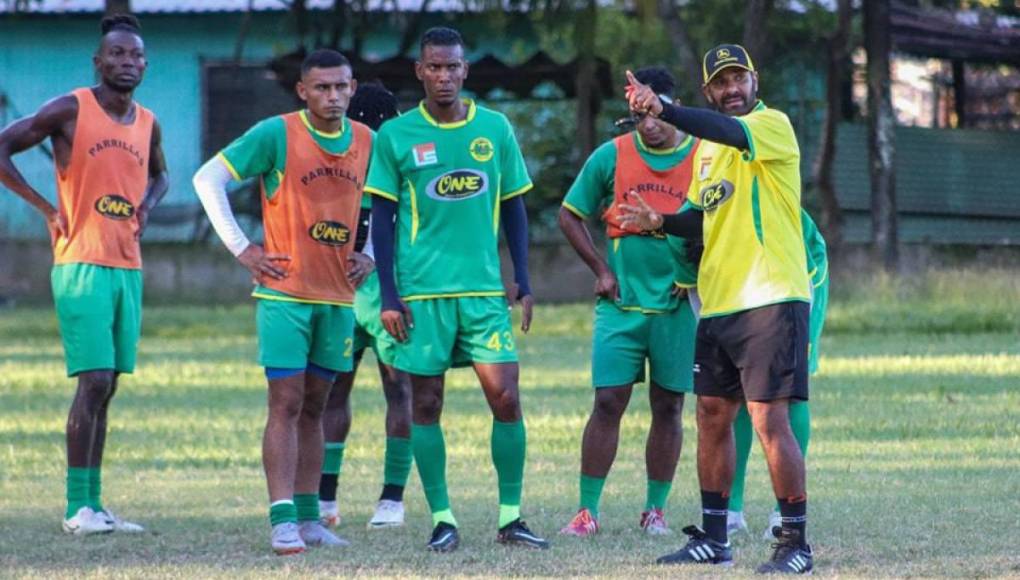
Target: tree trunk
(881,135)
(682,46)
(839,49)
(588,96)
(118,7)
(960,93)
(756,31)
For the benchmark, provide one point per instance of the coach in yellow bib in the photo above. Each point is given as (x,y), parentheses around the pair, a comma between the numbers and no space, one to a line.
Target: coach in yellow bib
(752,340)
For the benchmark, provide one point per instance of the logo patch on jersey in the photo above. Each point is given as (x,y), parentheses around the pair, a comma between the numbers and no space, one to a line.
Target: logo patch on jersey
(330,233)
(481,149)
(425,154)
(715,195)
(457,185)
(706,164)
(115,207)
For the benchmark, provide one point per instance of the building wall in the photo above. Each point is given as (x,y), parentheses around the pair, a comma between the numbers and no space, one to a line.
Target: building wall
(41,58)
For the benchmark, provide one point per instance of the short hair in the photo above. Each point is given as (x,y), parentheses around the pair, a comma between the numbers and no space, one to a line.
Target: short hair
(372,104)
(658,78)
(440,36)
(323,58)
(120,23)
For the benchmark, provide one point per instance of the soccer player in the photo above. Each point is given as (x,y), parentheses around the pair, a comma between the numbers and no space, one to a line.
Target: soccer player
(800,414)
(641,313)
(752,340)
(371,105)
(450,171)
(110,174)
(311,166)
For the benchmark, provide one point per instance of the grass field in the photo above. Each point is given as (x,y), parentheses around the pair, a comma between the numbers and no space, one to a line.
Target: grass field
(914,467)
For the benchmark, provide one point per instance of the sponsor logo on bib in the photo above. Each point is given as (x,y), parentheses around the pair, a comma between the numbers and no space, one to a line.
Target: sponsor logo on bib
(715,195)
(115,207)
(457,185)
(481,149)
(330,233)
(425,154)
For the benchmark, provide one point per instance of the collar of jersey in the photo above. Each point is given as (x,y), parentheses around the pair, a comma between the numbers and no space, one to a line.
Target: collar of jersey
(758,106)
(304,119)
(684,143)
(456,124)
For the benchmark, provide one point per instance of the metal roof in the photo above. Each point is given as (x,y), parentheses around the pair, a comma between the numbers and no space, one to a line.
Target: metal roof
(198,6)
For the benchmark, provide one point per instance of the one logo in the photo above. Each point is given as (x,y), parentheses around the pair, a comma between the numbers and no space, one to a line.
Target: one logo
(115,207)
(425,154)
(457,185)
(697,368)
(330,233)
(722,53)
(481,149)
(715,195)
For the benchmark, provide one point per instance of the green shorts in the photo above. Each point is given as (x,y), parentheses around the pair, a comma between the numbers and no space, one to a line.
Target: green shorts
(623,339)
(100,314)
(369,331)
(292,334)
(456,332)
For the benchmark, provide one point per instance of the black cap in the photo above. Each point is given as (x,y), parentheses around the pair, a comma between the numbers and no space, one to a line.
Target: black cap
(723,56)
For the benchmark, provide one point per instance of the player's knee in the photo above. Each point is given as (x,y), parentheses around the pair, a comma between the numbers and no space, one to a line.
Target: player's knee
(610,403)
(95,389)
(427,406)
(286,406)
(772,423)
(714,414)
(667,406)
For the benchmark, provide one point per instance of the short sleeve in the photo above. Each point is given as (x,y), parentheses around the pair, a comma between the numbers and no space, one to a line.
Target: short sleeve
(383,169)
(770,136)
(513,178)
(594,184)
(254,153)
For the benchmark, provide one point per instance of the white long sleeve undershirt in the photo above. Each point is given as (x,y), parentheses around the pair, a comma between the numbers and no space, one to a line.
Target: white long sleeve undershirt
(210,183)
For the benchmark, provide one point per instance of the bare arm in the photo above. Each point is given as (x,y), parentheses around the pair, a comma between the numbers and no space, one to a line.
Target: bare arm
(159,181)
(51,120)
(579,237)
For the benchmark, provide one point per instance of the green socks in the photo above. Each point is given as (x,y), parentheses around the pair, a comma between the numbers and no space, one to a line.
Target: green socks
(430,455)
(743,433)
(96,488)
(283,511)
(658,491)
(306,507)
(397,464)
(78,480)
(509,446)
(743,436)
(591,493)
(333,459)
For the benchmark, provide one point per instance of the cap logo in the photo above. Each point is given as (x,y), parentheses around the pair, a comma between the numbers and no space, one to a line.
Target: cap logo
(722,53)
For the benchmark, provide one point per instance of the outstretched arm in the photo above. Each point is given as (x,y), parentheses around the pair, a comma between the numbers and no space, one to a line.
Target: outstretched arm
(25,133)
(702,123)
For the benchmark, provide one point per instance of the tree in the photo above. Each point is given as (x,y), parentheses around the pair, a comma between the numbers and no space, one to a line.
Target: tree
(881,135)
(839,53)
(118,6)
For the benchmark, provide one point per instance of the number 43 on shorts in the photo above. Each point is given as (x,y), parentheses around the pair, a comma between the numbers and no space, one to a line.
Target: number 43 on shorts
(501,341)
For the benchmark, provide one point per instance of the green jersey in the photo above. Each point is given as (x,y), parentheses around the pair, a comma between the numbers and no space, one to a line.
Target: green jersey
(644,267)
(262,153)
(448,180)
(818,271)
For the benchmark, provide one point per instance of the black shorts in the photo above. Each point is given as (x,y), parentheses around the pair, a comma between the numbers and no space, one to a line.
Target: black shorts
(757,355)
